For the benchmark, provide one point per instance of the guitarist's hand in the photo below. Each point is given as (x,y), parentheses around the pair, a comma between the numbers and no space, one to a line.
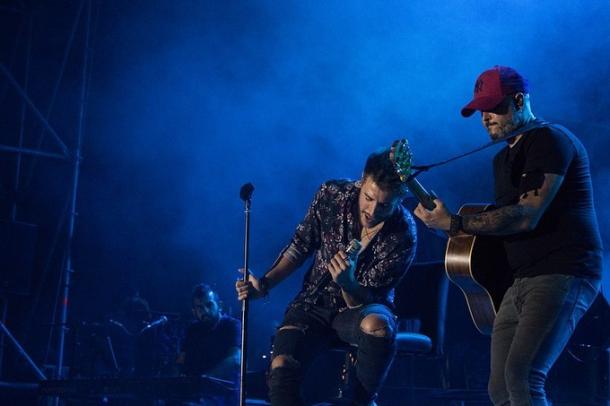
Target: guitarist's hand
(250,290)
(342,269)
(439,218)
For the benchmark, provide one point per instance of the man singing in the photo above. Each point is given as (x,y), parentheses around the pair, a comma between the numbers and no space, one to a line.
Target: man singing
(355,304)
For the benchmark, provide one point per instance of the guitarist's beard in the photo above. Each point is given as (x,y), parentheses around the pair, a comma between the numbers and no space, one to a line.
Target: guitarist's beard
(498,130)
(500,126)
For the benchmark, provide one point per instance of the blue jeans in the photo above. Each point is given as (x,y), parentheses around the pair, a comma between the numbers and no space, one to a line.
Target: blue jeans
(534,323)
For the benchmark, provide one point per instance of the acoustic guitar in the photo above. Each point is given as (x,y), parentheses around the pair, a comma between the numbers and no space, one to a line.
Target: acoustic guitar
(476,264)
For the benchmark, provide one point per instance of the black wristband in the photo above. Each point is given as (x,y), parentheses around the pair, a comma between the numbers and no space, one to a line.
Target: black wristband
(456,224)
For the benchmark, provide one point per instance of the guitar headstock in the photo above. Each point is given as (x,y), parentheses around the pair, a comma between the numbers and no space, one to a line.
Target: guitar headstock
(402,158)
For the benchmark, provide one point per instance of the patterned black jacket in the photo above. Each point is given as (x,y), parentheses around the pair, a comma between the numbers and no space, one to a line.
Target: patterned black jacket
(331,222)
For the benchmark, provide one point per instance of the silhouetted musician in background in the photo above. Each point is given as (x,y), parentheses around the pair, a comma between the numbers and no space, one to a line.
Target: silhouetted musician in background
(211,345)
(139,339)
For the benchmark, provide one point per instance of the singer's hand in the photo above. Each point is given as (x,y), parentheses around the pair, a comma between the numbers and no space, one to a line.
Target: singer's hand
(249,290)
(439,218)
(342,269)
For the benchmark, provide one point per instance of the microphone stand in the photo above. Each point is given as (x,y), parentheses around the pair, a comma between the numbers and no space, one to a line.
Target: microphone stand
(245,194)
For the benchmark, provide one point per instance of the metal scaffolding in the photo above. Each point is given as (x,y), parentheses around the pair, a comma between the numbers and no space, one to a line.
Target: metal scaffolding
(60,151)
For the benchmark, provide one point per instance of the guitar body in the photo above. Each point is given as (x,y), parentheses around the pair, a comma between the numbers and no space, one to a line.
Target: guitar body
(478,265)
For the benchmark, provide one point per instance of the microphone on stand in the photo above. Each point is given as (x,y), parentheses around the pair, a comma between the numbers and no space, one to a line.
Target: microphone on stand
(121,326)
(162,320)
(245,193)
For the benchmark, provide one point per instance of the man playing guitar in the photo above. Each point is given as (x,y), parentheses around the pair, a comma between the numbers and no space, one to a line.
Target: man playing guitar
(545,216)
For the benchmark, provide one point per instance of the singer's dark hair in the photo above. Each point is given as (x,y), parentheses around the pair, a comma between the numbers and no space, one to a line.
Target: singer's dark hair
(381,170)
(202,290)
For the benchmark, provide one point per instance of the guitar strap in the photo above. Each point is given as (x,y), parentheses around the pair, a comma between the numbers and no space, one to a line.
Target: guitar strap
(537,123)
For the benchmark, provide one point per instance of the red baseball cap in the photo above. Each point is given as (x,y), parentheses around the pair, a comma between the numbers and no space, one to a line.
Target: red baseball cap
(492,86)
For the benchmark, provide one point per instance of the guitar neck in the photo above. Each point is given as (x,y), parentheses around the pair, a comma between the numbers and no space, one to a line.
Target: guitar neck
(425,198)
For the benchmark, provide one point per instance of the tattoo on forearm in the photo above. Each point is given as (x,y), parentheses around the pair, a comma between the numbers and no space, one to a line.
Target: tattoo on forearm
(505,220)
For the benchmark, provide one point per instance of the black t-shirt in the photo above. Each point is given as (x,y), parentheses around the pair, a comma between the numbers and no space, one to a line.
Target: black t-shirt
(566,240)
(205,347)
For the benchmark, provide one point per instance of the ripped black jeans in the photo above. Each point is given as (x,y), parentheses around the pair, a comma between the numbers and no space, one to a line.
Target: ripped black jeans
(304,333)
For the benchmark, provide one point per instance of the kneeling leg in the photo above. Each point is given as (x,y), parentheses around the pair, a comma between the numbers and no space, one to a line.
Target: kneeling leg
(376,351)
(286,371)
